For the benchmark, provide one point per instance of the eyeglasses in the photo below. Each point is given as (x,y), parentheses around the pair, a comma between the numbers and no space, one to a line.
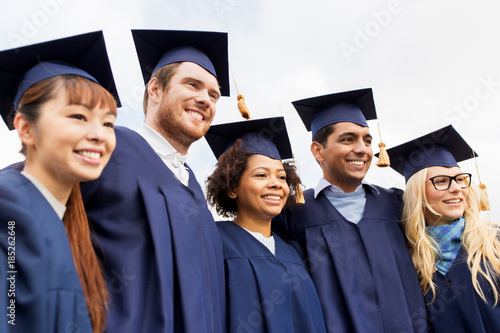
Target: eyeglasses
(442,183)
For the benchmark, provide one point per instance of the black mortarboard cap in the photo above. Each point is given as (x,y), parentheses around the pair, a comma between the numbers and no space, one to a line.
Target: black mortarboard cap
(443,147)
(355,106)
(157,48)
(266,136)
(83,55)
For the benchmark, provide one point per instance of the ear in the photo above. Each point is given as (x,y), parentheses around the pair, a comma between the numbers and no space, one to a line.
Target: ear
(317,151)
(25,130)
(232,194)
(154,90)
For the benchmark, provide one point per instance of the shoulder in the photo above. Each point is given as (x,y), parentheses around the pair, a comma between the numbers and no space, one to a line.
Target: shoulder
(19,199)
(12,185)
(125,137)
(309,193)
(123,131)
(310,200)
(384,203)
(123,164)
(131,149)
(227,228)
(382,192)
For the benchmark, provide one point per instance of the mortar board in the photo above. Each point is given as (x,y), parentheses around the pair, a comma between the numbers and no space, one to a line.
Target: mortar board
(267,137)
(158,48)
(355,106)
(84,55)
(443,147)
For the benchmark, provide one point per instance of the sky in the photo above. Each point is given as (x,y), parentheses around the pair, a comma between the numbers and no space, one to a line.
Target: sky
(430,64)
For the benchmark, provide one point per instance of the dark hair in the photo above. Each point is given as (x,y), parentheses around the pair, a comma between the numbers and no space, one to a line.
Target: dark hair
(227,174)
(87,264)
(322,135)
(79,90)
(163,75)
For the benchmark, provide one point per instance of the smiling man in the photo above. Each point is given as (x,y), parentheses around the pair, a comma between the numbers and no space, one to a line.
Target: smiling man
(350,229)
(157,240)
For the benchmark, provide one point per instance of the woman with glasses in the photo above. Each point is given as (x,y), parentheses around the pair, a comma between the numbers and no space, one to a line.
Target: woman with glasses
(455,251)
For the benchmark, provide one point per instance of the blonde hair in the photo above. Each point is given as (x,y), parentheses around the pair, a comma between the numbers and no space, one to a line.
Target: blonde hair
(480,238)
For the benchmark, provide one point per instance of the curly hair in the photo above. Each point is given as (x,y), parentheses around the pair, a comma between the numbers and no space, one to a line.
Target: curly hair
(227,174)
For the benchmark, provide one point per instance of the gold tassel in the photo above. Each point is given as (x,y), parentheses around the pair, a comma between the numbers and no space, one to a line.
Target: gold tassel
(484,200)
(245,113)
(383,157)
(299,195)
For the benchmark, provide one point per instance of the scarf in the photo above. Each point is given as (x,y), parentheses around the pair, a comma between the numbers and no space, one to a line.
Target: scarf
(449,240)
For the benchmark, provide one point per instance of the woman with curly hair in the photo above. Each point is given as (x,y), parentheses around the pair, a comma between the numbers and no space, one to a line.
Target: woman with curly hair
(456,252)
(268,288)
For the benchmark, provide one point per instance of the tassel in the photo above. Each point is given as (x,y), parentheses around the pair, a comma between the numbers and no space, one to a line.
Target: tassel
(383,157)
(245,113)
(299,195)
(483,198)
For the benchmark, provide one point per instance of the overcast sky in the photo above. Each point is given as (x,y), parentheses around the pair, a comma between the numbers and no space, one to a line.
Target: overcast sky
(429,63)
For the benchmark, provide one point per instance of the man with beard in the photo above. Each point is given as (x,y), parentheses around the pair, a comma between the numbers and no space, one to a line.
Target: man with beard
(349,229)
(157,240)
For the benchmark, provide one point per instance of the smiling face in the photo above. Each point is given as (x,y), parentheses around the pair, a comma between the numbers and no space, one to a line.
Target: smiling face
(346,156)
(68,143)
(262,190)
(450,203)
(186,107)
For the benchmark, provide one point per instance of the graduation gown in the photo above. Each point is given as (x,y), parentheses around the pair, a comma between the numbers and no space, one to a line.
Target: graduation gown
(267,293)
(158,242)
(363,272)
(43,281)
(457,307)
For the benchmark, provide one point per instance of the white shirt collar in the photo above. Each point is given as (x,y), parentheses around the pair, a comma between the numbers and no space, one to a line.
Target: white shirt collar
(170,157)
(58,207)
(266,241)
(159,144)
(323,183)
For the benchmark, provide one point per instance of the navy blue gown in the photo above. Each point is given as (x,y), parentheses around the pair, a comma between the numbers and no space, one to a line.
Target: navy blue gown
(457,307)
(267,292)
(158,242)
(363,272)
(48,294)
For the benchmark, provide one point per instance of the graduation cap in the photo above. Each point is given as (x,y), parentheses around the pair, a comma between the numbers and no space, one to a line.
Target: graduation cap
(84,55)
(443,147)
(158,48)
(266,136)
(355,106)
